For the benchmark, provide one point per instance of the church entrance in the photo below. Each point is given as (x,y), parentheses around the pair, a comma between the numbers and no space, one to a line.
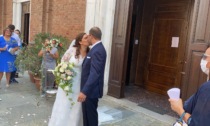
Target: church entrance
(149,45)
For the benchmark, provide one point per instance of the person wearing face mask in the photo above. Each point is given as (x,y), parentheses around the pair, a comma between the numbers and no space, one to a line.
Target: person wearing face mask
(196,111)
(49,53)
(53,43)
(205,63)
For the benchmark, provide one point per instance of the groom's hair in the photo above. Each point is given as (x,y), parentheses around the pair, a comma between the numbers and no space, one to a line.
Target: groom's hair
(96,32)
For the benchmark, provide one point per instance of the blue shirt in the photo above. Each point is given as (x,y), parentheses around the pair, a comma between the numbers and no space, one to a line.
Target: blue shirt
(198,105)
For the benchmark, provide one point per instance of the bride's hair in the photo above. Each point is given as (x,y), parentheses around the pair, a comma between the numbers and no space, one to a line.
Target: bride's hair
(77,44)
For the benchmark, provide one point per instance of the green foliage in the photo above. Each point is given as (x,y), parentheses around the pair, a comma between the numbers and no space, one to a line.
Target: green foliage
(28,59)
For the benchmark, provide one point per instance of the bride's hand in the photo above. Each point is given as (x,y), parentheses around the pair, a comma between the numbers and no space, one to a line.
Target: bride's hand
(81,97)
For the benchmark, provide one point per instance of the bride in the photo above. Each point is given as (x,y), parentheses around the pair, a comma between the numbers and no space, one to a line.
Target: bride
(63,114)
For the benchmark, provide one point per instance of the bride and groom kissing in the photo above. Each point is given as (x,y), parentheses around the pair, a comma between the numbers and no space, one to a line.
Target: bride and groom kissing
(87,84)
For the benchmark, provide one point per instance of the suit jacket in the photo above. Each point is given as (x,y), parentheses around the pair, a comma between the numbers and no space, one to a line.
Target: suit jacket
(92,80)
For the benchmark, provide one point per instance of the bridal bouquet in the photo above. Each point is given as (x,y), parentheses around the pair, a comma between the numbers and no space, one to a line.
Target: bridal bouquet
(55,43)
(52,43)
(47,46)
(64,74)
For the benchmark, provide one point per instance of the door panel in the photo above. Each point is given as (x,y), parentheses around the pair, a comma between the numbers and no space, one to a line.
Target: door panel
(136,27)
(198,42)
(144,39)
(160,66)
(164,59)
(119,53)
(164,66)
(25,21)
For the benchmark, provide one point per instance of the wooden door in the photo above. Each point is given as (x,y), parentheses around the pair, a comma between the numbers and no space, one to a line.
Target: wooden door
(162,44)
(134,41)
(119,52)
(25,21)
(26,28)
(198,42)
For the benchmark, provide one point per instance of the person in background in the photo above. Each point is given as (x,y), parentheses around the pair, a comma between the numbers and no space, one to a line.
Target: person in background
(196,111)
(17,38)
(205,62)
(19,68)
(17,31)
(8,46)
(49,54)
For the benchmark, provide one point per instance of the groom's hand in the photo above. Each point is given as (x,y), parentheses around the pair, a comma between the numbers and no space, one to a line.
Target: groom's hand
(81,97)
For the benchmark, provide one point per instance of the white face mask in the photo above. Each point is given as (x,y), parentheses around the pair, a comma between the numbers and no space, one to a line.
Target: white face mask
(53,45)
(203,66)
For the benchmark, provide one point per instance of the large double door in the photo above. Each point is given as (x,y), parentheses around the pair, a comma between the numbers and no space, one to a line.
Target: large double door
(163,51)
(162,44)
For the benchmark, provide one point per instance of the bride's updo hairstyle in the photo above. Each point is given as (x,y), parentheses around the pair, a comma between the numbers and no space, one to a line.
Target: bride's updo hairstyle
(77,44)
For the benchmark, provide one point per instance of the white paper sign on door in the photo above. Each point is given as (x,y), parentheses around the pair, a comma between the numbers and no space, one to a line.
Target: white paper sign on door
(175,42)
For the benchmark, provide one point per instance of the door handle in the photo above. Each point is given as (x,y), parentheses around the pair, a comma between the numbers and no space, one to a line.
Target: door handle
(183,73)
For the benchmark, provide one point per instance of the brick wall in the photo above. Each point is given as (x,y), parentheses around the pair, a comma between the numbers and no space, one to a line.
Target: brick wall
(62,17)
(5,14)
(36,17)
(1,16)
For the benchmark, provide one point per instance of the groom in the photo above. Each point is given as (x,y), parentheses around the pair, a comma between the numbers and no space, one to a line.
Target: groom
(92,80)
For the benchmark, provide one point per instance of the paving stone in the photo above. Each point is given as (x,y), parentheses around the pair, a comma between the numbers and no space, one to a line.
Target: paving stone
(21,105)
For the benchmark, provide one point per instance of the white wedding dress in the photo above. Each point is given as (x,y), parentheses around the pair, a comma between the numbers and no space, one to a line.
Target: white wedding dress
(63,114)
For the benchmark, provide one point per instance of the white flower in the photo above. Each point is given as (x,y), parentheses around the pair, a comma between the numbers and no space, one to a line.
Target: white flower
(61,83)
(64,66)
(66,88)
(71,66)
(61,70)
(63,76)
(56,69)
(58,74)
(59,65)
(69,78)
(68,72)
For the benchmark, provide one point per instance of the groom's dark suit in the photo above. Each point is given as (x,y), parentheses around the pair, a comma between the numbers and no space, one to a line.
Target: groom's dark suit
(92,82)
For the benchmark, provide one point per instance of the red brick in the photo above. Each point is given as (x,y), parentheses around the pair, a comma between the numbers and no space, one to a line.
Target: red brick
(63,17)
